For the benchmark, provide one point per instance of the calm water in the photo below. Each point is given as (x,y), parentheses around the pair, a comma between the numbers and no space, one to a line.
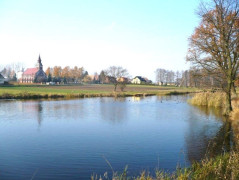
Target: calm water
(72,139)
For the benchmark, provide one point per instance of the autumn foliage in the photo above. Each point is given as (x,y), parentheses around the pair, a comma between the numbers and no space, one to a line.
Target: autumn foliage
(214,45)
(66,74)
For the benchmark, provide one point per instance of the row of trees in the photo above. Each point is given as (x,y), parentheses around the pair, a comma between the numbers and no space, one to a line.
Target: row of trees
(165,76)
(78,75)
(66,74)
(193,77)
(179,78)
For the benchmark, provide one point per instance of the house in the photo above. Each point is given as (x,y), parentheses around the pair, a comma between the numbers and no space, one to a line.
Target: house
(110,79)
(123,80)
(2,79)
(147,80)
(167,84)
(32,75)
(171,84)
(161,83)
(138,80)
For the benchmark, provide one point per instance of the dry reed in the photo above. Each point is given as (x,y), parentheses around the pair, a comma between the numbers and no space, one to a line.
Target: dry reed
(216,99)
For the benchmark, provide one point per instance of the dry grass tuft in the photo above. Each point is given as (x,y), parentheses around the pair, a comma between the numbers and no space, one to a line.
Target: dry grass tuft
(216,99)
(235,114)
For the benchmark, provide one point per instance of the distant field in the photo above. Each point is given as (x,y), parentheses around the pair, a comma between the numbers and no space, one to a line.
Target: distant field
(94,89)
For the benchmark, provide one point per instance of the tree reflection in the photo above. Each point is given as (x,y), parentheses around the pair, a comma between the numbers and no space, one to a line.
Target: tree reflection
(39,110)
(208,140)
(235,129)
(176,98)
(114,111)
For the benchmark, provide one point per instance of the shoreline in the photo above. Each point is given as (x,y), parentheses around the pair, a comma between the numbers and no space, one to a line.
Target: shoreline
(36,91)
(26,95)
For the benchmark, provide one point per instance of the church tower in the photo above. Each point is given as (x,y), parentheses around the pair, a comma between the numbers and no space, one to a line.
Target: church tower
(40,67)
(40,76)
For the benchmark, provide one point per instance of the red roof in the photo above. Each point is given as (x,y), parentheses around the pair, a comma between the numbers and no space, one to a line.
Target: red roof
(30,71)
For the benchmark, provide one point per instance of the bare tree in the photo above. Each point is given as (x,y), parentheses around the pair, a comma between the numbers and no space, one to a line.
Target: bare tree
(114,73)
(165,76)
(161,75)
(178,78)
(214,46)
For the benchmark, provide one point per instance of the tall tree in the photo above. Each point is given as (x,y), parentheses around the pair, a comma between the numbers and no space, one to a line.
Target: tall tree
(102,77)
(57,71)
(66,73)
(161,75)
(214,45)
(49,77)
(48,71)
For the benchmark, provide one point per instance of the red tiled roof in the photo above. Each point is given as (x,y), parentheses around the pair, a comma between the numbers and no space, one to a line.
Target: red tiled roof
(30,71)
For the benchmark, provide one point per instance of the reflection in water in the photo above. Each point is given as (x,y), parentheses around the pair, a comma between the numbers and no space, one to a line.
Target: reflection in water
(175,98)
(211,111)
(235,128)
(136,98)
(207,140)
(115,112)
(222,142)
(39,112)
(76,133)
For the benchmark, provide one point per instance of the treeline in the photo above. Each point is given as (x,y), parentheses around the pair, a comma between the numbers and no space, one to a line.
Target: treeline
(169,77)
(58,74)
(194,77)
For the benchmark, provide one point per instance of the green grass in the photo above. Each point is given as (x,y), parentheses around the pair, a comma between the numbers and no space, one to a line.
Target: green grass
(77,91)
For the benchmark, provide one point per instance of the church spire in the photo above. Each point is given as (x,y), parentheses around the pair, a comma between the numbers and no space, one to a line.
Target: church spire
(39,63)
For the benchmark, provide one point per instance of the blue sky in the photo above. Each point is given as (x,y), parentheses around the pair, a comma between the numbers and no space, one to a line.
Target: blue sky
(140,35)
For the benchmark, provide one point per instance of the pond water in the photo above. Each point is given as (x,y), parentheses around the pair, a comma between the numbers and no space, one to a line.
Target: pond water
(73,139)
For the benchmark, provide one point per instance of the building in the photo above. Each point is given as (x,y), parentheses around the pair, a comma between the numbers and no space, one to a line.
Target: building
(2,79)
(123,80)
(19,75)
(34,75)
(167,84)
(138,80)
(109,80)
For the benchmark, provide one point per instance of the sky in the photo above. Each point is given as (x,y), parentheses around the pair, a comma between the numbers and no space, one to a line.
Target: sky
(139,35)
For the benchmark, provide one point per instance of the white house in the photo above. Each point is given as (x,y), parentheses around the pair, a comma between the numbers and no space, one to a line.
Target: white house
(141,80)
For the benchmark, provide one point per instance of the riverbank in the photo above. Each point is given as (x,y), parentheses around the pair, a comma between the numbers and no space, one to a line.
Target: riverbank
(84,91)
(217,100)
(221,167)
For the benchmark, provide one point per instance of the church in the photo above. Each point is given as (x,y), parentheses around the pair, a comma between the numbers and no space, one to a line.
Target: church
(34,75)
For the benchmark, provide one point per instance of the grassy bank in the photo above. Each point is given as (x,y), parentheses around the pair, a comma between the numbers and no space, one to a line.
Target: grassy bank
(209,99)
(216,99)
(222,167)
(82,91)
